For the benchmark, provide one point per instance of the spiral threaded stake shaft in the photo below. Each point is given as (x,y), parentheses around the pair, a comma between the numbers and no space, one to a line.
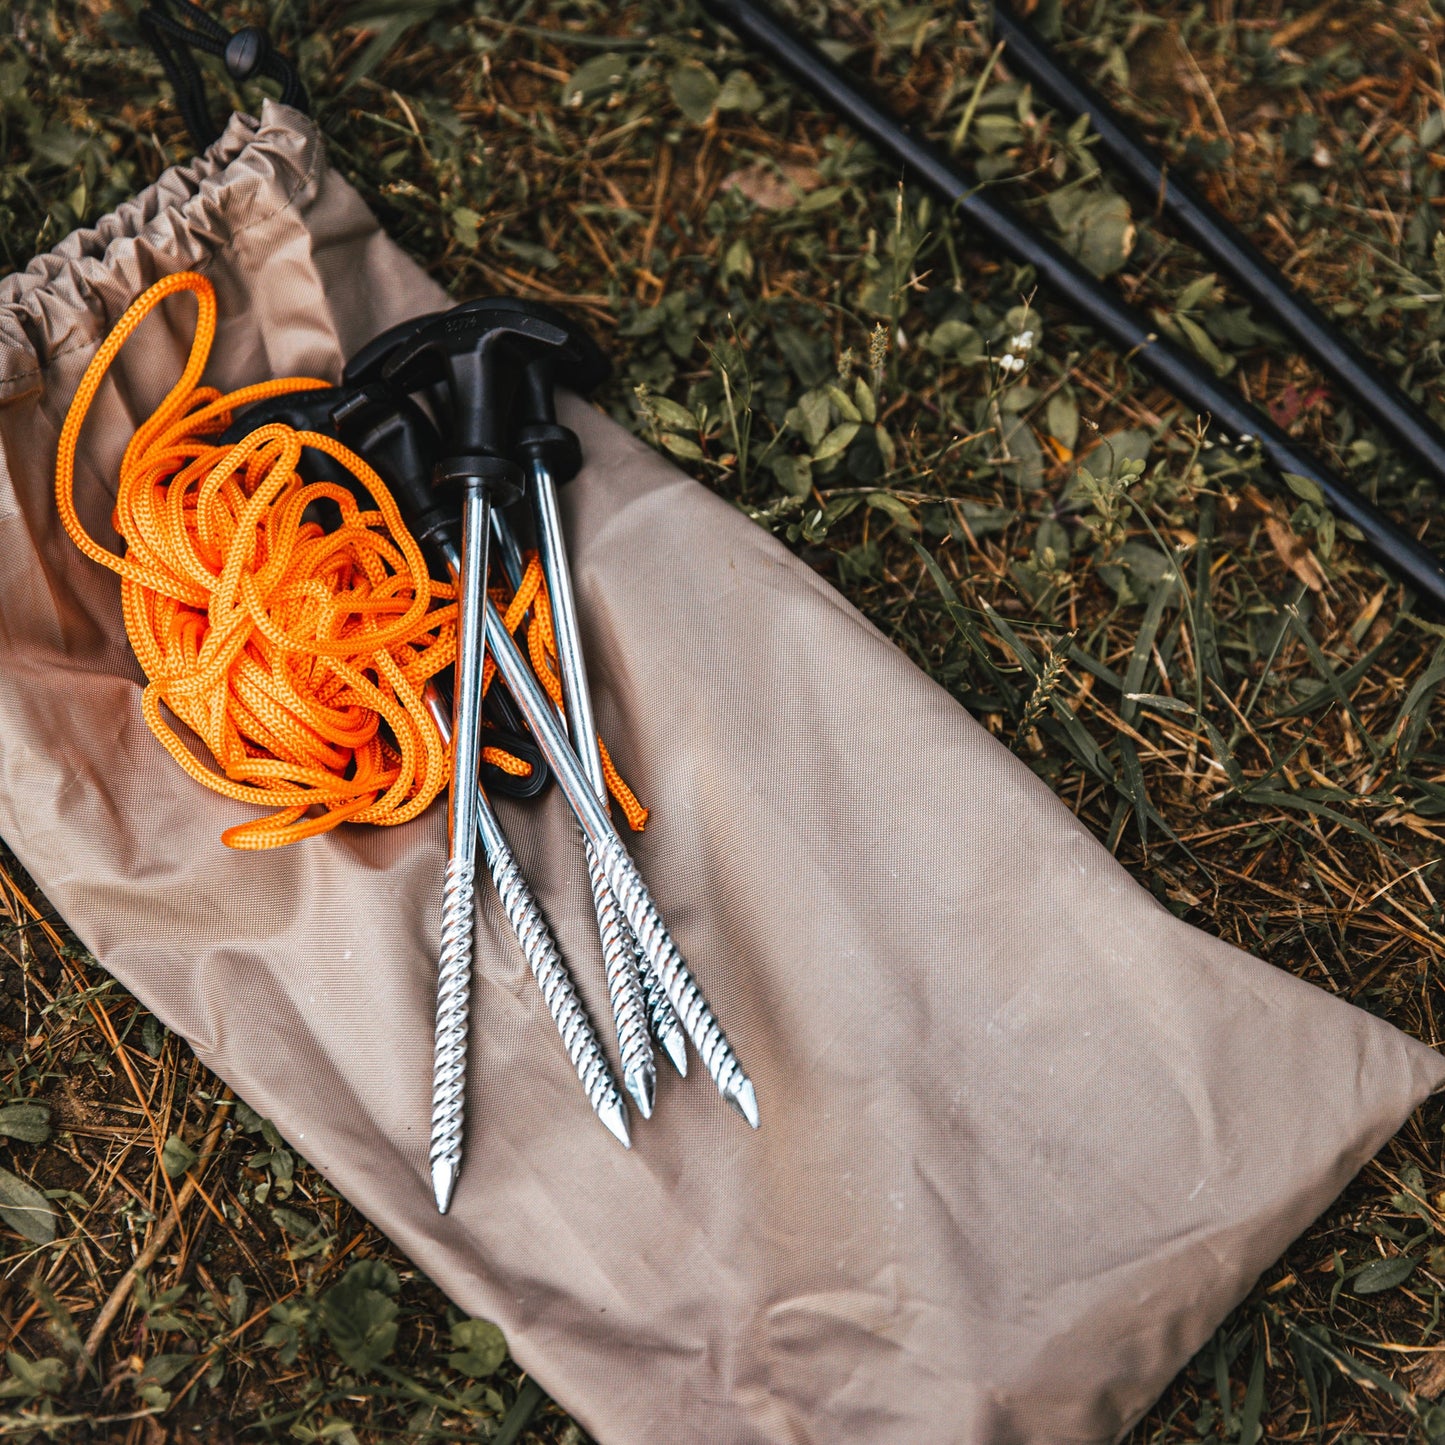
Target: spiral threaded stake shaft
(449,1058)
(665,1026)
(575,1028)
(624,989)
(692,1008)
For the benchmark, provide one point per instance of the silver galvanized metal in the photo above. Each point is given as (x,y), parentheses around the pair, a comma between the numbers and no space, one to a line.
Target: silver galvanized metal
(661,1015)
(624,983)
(666,1028)
(552,977)
(538,948)
(508,548)
(703,1030)
(454,969)
(449,1045)
(624,990)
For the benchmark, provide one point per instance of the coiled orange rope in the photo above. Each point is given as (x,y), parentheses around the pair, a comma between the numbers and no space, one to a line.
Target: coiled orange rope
(298,655)
(281,645)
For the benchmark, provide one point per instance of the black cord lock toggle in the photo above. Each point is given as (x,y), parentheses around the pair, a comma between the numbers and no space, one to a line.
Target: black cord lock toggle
(247,52)
(177,29)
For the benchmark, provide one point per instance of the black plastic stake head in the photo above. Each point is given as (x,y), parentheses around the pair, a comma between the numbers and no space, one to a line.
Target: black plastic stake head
(578,365)
(473,349)
(576,362)
(366,366)
(389,430)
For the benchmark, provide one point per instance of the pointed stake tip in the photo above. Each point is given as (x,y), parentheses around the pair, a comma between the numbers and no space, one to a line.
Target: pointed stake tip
(443,1182)
(674,1045)
(642,1085)
(744,1099)
(614,1115)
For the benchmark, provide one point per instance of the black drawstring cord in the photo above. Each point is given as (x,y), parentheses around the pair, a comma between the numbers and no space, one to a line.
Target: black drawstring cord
(176,28)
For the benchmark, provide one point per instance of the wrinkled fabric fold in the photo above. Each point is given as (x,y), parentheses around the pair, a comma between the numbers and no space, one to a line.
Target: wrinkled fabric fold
(1026,1136)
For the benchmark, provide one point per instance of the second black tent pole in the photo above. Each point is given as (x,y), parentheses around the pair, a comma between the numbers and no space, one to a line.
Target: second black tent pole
(1130,331)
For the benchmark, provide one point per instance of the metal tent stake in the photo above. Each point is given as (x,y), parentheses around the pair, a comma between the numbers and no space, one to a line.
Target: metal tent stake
(624,983)
(661,1015)
(454,971)
(464,352)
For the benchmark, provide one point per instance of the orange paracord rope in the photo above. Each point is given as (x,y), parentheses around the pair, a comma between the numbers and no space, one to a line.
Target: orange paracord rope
(283,646)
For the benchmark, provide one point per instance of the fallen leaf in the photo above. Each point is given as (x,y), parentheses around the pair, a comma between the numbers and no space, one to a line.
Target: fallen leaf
(1382,1274)
(1431,1380)
(1289,546)
(25,1209)
(774,187)
(1286,407)
(1294,552)
(481,1348)
(29,1123)
(695,89)
(1291,404)
(602,75)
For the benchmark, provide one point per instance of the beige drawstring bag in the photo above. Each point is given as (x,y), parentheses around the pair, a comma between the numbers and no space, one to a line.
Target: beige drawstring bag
(1026,1137)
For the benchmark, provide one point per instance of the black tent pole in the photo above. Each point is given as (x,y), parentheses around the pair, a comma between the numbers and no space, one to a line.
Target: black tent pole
(1179,370)
(1028,57)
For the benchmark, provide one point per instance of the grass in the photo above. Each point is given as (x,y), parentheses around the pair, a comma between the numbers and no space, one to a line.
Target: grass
(1240,703)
